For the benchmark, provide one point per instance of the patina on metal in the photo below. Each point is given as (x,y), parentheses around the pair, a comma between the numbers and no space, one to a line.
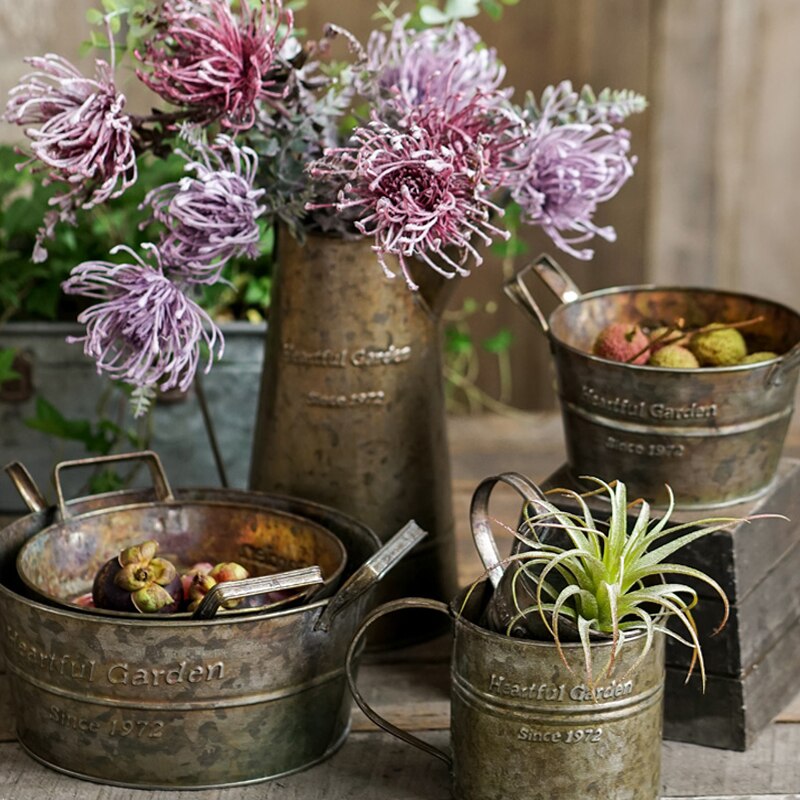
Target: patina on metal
(180,703)
(60,562)
(715,435)
(351,411)
(527,723)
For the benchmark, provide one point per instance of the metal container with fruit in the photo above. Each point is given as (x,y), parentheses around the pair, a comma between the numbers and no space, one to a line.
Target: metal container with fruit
(687,386)
(148,693)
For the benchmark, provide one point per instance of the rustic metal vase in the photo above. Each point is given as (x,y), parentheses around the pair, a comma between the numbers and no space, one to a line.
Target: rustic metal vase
(525,721)
(351,412)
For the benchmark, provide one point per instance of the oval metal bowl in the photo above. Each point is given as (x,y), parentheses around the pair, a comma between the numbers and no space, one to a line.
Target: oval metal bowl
(59,563)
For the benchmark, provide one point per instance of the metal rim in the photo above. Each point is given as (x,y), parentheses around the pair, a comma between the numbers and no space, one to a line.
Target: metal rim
(457,603)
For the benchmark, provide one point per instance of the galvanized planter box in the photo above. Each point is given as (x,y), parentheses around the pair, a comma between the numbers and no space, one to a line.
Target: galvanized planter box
(752,663)
(61,374)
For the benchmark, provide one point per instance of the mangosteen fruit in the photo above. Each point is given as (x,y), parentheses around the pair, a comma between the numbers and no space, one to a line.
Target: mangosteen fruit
(137,581)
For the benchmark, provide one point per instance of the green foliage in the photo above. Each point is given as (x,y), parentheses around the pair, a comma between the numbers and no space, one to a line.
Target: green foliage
(33,291)
(608,579)
(7,371)
(442,12)
(98,437)
(462,357)
(611,105)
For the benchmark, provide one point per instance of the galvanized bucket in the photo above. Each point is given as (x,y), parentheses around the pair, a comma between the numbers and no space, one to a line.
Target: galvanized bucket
(185,703)
(526,724)
(714,434)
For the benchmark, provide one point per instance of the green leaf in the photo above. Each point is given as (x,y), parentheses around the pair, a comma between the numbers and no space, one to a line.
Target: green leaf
(499,342)
(107,480)
(51,421)
(95,17)
(7,371)
(512,248)
(457,341)
(493,8)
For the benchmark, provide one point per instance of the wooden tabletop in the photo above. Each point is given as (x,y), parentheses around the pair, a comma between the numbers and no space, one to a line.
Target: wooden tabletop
(410,686)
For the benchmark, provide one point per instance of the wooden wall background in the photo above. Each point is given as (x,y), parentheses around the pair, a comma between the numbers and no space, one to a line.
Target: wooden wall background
(716,196)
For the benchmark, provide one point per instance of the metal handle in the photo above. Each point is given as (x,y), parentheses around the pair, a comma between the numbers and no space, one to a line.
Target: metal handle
(371,571)
(236,590)
(382,611)
(160,482)
(479,518)
(553,276)
(26,486)
(790,360)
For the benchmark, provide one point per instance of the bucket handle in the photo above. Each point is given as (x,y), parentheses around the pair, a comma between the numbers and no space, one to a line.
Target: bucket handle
(236,590)
(26,486)
(480,521)
(354,649)
(789,361)
(370,572)
(160,482)
(554,277)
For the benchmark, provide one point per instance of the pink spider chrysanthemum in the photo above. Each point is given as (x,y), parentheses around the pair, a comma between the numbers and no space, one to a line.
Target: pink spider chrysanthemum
(214,62)
(83,137)
(211,217)
(419,191)
(560,173)
(433,66)
(146,331)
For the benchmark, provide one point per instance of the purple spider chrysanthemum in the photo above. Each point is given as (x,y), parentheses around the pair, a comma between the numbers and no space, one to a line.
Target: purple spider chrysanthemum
(419,193)
(437,65)
(205,58)
(211,217)
(84,138)
(560,173)
(146,331)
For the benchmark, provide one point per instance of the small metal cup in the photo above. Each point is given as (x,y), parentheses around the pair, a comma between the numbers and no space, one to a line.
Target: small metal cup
(525,721)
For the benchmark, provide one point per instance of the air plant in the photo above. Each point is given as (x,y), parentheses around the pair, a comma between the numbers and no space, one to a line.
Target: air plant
(609,579)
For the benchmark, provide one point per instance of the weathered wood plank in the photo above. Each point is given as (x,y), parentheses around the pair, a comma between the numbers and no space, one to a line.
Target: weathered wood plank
(376,765)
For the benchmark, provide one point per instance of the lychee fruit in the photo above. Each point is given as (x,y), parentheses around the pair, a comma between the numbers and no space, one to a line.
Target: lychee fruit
(663,336)
(718,346)
(758,357)
(673,356)
(622,341)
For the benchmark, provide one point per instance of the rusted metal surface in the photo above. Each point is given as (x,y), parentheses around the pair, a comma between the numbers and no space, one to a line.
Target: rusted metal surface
(528,724)
(714,434)
(352,407)
(179,703)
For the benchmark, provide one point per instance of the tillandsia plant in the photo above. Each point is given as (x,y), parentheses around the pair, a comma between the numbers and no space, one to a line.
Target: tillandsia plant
(412,140)
(579,578)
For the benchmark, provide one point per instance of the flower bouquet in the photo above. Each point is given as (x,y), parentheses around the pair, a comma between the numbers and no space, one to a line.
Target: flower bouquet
(412,142)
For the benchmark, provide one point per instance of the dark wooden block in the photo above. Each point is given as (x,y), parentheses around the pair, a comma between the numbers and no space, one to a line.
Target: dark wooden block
(733,711)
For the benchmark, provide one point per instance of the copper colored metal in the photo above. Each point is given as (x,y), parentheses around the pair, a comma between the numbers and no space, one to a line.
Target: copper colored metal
(525,722)
(182,703)
(714,434)
(352,405)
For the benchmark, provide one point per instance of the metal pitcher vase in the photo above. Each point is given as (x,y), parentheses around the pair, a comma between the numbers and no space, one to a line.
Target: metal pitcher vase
(352,411)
